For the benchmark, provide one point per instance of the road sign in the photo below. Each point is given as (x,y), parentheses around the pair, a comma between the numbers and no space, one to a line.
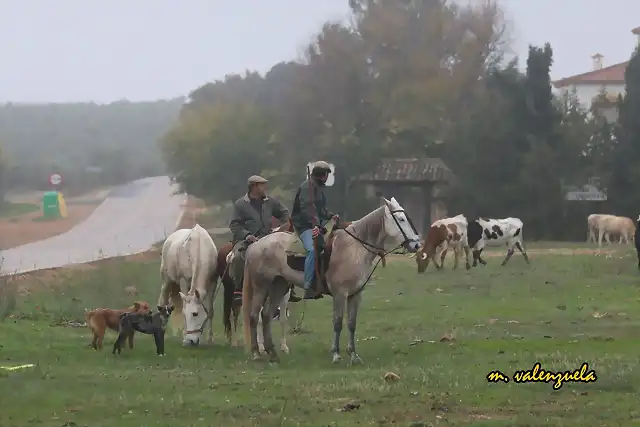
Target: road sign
(55,179)
(332,176)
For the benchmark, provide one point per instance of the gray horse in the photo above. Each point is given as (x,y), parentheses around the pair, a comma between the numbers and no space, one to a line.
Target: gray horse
(348,264)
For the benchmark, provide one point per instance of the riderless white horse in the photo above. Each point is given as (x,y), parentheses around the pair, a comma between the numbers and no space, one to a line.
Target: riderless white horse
(188,271)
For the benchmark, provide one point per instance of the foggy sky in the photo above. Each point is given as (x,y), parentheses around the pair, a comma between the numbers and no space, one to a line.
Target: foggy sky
(78,50)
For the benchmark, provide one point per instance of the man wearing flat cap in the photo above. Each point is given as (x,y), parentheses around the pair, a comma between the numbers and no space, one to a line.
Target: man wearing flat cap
(251,220)
(309,213)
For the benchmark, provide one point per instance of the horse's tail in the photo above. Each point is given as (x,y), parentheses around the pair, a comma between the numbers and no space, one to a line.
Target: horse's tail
(247,296)
(227,304)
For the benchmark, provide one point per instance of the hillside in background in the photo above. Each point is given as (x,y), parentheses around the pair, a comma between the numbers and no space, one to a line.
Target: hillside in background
(117,142)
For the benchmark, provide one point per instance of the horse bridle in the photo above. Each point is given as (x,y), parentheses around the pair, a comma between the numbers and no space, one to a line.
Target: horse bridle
(381,252)
(204,324)
(377,250)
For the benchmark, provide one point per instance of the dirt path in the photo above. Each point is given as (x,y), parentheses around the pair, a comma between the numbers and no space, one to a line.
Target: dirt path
(21,230)
(17,231)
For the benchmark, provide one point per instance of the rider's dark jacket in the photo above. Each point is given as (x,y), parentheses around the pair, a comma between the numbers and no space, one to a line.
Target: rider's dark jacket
(247,219)
(303,207)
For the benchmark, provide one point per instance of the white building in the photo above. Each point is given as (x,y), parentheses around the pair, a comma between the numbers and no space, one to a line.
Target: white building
(600,80)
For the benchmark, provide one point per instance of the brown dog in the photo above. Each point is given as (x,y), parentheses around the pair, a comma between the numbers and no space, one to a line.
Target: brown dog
(102,318)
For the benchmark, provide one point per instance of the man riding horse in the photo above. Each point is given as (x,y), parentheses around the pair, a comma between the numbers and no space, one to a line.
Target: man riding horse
(308,216)
(252,216)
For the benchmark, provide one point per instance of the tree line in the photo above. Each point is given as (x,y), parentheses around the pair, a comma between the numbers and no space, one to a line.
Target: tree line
(416,79)
(89,144)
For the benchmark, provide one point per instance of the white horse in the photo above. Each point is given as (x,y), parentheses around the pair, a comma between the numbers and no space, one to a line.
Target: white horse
(188,271)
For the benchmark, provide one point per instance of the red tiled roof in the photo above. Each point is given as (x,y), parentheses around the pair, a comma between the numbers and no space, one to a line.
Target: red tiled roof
(410,170)
(611,74)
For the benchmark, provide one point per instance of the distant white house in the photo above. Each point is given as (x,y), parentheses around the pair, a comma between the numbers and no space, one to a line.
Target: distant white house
(590,85)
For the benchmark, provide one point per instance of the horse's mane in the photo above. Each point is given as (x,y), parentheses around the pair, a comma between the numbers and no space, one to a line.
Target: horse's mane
(371,226)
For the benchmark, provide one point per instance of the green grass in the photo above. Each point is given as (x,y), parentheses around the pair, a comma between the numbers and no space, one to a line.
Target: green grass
(505,319)
(8,210)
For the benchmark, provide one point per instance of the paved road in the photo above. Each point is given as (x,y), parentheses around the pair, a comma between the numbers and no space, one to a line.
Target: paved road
(131,219)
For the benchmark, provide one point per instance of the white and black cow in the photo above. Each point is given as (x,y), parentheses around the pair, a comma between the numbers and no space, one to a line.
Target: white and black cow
(495,232)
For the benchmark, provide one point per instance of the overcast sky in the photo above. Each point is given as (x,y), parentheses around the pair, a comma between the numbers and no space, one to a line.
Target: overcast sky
(80,50)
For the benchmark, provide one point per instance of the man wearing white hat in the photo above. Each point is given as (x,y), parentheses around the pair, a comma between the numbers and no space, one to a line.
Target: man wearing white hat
(309,213)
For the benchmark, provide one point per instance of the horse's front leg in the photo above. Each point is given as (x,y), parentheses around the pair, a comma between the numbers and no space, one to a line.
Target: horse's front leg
(163,299)
(256,306)
(338,314)
(284,322)
(236,313)
(210,302)
(260,336)
(267,316)
(353,304)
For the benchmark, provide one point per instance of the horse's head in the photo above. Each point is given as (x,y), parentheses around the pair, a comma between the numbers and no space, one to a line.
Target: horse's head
(399,227)
(195,317)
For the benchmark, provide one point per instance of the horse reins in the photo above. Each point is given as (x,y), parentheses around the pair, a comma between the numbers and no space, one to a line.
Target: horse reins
(377,251)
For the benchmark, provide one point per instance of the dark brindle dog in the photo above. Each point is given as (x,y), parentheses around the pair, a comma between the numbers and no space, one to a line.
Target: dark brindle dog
(151,324)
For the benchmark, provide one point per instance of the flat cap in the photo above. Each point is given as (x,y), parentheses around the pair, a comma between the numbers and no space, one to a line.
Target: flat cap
(256,179)
(322,164)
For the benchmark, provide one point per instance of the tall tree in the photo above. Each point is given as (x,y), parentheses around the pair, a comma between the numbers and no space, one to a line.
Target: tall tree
(541,177)
(215,149)
(626,155)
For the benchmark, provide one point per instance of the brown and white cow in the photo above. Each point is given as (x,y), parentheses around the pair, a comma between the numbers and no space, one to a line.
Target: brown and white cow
(444,234)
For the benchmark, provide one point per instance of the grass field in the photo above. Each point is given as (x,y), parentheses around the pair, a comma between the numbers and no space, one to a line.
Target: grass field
(561,311)
(9,210)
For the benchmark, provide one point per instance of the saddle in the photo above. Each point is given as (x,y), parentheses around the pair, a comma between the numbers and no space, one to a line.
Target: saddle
(296,255)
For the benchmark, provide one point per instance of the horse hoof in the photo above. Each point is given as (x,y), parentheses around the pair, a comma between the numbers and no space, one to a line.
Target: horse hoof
(274,359)
(261,349)
(336,358)
(284,349)
(355,359)
(256,356)
(468,267)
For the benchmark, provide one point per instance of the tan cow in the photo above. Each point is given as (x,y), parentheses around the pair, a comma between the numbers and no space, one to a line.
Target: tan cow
(593,226)
(617,226)
(444,233)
